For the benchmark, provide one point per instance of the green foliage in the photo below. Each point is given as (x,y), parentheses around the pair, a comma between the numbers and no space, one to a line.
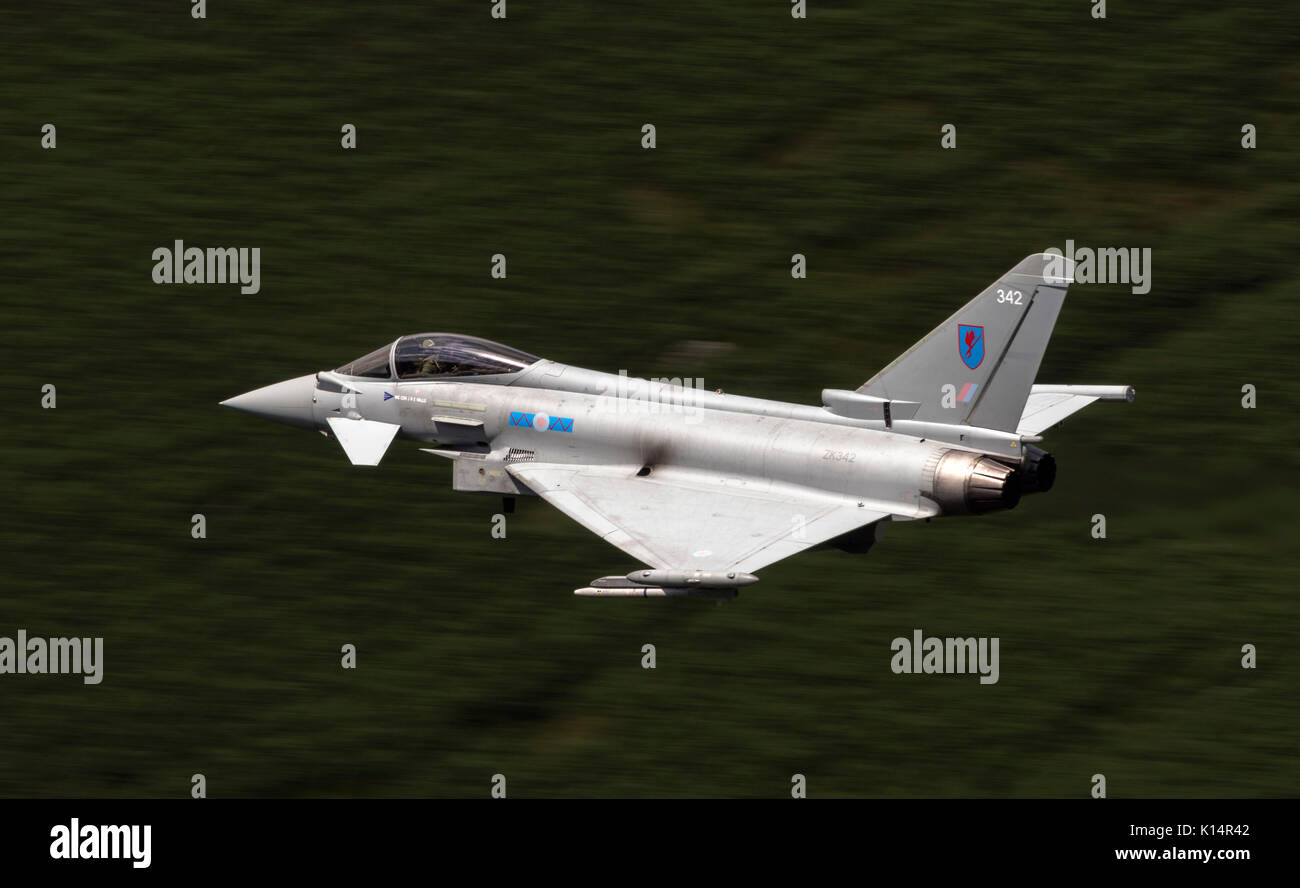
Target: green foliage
(522,137)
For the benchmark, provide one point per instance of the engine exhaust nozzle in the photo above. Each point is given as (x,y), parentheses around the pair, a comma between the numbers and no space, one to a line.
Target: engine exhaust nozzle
(1039,468)
(971,483)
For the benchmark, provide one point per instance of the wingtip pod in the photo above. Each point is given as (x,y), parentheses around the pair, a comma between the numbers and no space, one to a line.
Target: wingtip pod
(1096,392)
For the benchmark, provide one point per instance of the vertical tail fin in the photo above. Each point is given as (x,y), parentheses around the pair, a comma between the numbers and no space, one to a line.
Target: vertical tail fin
(988,351)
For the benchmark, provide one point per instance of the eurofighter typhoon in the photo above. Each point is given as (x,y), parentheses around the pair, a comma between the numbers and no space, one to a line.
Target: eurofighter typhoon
(706,488)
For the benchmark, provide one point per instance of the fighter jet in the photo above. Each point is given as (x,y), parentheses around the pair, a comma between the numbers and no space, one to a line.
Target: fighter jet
(706,488)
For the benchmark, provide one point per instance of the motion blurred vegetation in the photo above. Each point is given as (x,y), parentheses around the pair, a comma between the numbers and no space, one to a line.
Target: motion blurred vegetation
(775,136)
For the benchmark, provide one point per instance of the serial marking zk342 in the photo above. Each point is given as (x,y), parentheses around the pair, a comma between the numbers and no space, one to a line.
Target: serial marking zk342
(705,488)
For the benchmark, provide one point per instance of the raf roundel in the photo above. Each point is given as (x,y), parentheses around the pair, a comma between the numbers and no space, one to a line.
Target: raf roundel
(541,422)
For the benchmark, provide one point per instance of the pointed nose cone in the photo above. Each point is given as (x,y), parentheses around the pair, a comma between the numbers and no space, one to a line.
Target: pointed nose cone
(289,401)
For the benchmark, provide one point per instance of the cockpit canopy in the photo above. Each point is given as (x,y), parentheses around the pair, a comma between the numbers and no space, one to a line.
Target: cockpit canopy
(373,365)
(439,355)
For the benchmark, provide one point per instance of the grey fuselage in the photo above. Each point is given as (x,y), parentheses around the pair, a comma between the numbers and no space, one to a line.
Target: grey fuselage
(559,414)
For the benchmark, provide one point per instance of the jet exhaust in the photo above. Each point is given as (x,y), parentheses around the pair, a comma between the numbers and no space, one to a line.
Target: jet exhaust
(970,483)
(1038,469)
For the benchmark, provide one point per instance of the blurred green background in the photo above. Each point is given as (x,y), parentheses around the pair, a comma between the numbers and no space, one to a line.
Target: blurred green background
(775,136)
